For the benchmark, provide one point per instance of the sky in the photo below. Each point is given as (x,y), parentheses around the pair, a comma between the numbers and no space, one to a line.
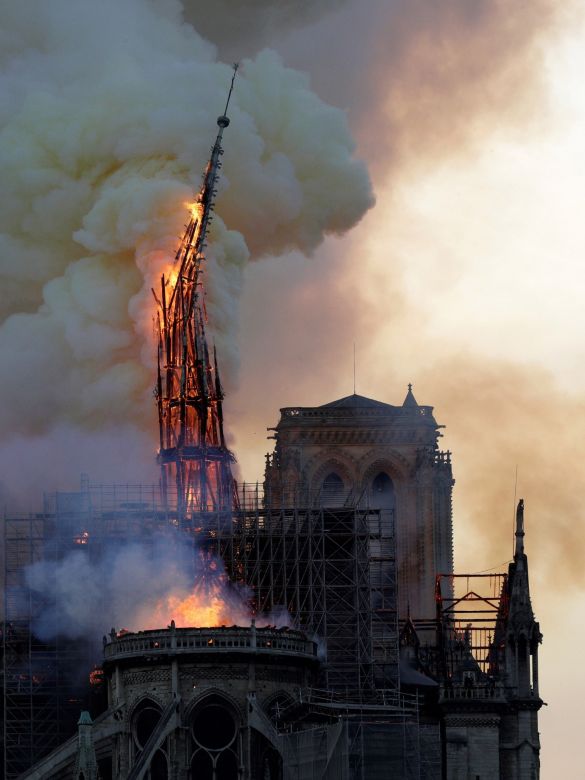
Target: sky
(465,278)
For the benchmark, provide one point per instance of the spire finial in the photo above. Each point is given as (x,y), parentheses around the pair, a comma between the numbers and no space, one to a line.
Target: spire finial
(410,400)
(223,120)
(519,529)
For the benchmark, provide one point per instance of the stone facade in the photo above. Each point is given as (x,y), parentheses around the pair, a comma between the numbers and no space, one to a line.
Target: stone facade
(217,688)
(190,703)
(359,449)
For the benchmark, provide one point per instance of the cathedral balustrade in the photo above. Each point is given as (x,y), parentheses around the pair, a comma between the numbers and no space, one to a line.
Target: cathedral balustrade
(484,691)
(297,412)
(234,639)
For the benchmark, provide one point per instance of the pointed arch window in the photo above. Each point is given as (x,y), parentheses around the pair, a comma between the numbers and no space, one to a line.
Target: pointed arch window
(144,723)
(332,490)
(214,735)
(382,492)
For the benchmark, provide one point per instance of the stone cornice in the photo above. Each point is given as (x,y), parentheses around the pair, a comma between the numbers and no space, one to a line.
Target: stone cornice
(472,720)
(354,437)
(529,704)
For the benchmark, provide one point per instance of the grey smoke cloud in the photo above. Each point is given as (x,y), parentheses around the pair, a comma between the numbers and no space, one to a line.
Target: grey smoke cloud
(102,144)
(135,586)
(239,29)
(423,80)
(107,116)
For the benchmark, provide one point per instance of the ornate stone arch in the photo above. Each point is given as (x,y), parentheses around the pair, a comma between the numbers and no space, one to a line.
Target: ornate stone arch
(210,693)
(327,461)
(142,699)
(136,725)
(393,463)
(214,720)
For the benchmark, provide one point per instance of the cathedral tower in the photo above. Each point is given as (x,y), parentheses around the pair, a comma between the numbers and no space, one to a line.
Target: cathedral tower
(356,449)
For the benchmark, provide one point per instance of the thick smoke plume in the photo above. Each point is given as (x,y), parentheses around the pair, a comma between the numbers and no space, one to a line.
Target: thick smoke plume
(106,120)
(137,586)
(443,79)
(241,28)
(424,80)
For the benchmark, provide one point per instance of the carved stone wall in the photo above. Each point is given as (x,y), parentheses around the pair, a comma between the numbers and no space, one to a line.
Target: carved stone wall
(357,439)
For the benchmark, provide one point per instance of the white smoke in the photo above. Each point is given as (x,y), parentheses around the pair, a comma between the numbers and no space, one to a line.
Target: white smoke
(132,586)
(138,586)
(107,115)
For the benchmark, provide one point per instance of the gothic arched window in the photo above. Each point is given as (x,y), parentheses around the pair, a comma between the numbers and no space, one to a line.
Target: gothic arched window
(144,722)
(382,492)
(214,732)
(332,492)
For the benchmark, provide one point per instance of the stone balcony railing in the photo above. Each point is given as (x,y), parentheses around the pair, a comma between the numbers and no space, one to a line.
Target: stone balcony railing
(296,412)
(488,692)
(189,641)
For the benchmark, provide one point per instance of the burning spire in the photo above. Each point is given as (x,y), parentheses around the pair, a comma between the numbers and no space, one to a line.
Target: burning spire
(193,455)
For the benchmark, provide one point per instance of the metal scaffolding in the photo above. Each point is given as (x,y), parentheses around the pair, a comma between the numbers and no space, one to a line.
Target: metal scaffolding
(46,682)
(331,568)
(372,740)
(472,612)
(41,697)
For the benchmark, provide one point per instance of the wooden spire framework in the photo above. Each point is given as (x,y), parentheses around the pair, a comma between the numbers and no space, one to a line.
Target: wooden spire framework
(195,462)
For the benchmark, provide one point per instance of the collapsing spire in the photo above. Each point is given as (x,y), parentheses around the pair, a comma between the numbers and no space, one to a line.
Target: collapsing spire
(192,453)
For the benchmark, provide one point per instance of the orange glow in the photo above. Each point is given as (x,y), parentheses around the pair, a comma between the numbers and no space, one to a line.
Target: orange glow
(96,676)
(171,275)
(208,606)
(195,210)
(83,538)
(171,268)
(198,609)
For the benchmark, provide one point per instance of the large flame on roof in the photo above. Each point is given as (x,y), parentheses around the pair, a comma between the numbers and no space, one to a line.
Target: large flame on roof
(205,607)
(213,602)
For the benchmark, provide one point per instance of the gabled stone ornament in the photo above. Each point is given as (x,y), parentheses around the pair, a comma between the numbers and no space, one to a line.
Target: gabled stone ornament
(86,767)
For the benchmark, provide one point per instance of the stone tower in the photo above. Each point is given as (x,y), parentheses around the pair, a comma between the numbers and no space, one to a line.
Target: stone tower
(489,703)
(520,738)
(357,447)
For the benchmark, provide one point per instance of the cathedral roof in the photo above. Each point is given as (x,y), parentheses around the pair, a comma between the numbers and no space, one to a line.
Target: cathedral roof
(355,402)
(411,676)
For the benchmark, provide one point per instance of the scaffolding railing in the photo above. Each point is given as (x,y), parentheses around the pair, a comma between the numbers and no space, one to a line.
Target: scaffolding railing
(472,610)
(333,570)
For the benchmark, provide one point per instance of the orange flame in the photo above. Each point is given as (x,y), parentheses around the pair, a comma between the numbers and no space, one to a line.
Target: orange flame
(82,538)
(170,270)
(96,676)
(196,209)
(206,607)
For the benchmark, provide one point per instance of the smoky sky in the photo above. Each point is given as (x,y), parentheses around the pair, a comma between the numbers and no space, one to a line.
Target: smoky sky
(419,83)
(107,117)
(418,78)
